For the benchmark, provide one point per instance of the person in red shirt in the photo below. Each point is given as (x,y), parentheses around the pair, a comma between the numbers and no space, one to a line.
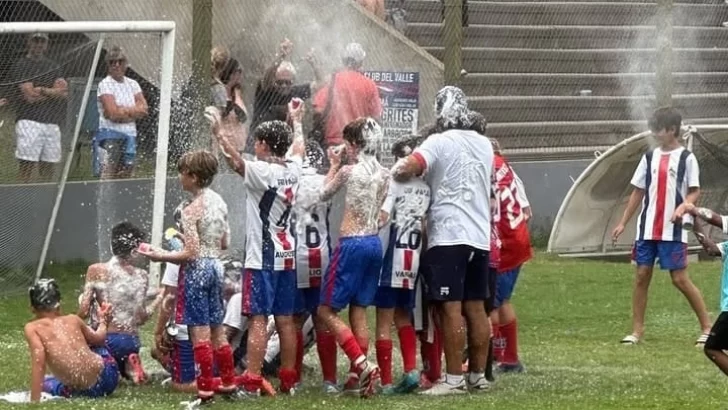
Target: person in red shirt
(354,96)
(514,212)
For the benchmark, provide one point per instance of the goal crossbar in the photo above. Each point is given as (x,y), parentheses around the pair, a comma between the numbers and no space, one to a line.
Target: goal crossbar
(168,30)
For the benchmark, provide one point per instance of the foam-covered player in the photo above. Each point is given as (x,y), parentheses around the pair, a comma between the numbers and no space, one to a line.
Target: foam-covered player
(667,178)
(74,353)
(353,274)
(123,284)
(717,342)
(269,279)
(313,252)
(405,207)
(200,298)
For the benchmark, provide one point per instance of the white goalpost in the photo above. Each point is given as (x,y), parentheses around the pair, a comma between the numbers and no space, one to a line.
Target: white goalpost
(167,31)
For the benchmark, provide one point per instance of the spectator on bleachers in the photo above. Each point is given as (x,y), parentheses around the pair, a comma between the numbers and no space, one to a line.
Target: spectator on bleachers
(397,15)
(227,96)
(348,96)
(277,88)
(121,103)
(40,106)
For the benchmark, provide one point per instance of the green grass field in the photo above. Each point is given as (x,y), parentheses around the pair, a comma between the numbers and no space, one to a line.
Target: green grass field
(572,315)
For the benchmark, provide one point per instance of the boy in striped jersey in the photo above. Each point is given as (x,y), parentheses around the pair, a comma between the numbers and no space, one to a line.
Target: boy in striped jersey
(667,179)
(269,279)
(405,206)
(313,252)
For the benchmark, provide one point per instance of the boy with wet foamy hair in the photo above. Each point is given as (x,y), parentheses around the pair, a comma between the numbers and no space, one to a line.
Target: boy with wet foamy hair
(71,350)
(405,207)
(123,284)
(200,291)
(313,253)
(269,278)
(352,277)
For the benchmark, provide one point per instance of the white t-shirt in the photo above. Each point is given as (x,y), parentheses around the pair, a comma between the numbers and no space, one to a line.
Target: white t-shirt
(666,178)
(407,205)
(458,166)
(271,189)
(171,278)
(123,93)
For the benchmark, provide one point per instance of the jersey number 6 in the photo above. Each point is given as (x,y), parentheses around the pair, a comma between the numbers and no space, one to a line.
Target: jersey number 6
(313,238)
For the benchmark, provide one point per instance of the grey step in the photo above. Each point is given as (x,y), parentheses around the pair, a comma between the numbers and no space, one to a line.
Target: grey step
(555,109)
(567,13)
(573,136)
(519,60)
(569,37)
(498,84)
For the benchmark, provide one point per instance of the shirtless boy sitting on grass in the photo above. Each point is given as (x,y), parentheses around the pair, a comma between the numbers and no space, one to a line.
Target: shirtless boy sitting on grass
(73,352)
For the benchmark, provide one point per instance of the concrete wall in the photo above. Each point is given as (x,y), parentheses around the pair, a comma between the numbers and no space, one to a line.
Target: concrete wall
(90,209)
(252,30)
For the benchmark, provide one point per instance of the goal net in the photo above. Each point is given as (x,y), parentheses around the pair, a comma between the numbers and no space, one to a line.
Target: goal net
(73,166)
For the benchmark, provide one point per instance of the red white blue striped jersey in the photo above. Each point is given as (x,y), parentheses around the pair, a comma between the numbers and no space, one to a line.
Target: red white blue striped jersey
(407,204)
(311,228)
(271,188)
(665,177)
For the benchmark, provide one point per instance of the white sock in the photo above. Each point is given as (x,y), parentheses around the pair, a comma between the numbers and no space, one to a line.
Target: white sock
(474,377)
(360,361)
(453,379)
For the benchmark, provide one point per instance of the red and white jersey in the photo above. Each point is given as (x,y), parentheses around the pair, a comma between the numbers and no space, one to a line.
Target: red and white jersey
(313,242)
(407,204)
(512,225)
(271,189)
(666,177)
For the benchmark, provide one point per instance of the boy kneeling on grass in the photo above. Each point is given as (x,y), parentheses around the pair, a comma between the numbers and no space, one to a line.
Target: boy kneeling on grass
(73,352)
(717,341)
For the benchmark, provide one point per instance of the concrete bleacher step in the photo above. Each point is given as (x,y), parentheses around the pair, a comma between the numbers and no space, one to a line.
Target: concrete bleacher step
(513,84)
(594,108)
(519,60)
(574,136)
(567,13)
(568,37)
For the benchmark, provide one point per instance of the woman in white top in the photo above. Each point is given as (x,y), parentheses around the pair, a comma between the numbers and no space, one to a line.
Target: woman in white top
(121,103)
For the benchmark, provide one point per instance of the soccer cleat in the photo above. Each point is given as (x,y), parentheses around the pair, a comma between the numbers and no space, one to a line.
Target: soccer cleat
(425,382)
(241,394)
(330,388)
(368,378)
(443,388)
(387,390)
(510,368)
(481,385)
(198,402)
(351,387)
(409,383)
(138,375)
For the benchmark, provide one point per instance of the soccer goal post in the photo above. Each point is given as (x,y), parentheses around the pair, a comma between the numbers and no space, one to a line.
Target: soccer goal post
(74,43)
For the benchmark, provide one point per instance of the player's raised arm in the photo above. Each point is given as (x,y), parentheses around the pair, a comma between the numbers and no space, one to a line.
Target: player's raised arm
(231,154)
(337,176)
(37,362)
(295,112)
(93,275)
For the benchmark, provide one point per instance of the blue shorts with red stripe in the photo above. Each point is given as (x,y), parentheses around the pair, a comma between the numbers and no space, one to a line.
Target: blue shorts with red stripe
(267,292)
(183,362)
(121,345)
(199,293)
(505,284)
(673,255)
(308,300)
(353,273)
(105,385)
(391,298)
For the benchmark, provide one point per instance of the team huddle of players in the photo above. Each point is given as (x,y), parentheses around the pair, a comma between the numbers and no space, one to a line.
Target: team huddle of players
(292,274)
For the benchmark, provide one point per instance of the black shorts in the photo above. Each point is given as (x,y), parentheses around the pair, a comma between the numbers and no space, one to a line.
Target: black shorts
(456,273)
(718,339)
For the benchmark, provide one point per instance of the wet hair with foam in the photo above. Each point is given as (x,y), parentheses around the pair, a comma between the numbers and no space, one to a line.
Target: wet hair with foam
(314,155)
(477,122)
(276,134)
(364,133)
(405,144)
(45,295)
(200,164)
(451,109)
(125,238)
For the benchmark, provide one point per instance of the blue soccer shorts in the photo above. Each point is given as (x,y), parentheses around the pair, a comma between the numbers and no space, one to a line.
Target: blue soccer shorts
(199,294)
(673,255)
(353,273)
(267,292)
